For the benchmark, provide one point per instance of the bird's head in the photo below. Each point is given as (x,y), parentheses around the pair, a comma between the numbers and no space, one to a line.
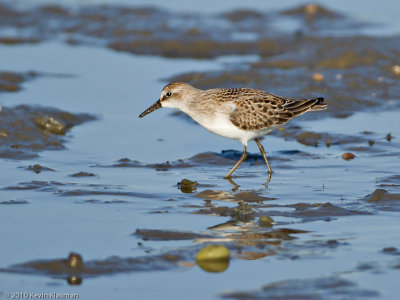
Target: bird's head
(173,95)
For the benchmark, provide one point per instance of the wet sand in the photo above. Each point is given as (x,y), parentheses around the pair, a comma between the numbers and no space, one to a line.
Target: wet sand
(100,203)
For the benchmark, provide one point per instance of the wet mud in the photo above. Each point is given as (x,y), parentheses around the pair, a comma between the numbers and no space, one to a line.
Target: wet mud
(27,130)
(38,168)
(392,182)
(354,71)
(76,189)
(247,196)
(11,202)
(82,174)
(224,158)
(259,210)
(248,218)
(12,81)
(383,200)
(353,80)
(75,266)
(165,235)
(318,288)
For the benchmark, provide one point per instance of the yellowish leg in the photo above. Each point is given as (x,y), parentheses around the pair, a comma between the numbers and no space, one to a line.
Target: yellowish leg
(242,158)
(265,157)
(235,186)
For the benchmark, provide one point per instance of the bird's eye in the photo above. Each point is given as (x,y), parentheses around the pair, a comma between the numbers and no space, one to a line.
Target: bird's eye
(168,94)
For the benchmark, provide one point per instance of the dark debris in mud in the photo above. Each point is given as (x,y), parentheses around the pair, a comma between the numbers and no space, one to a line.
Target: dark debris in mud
(391,251)
(36,168)
(82,174)
(22,138)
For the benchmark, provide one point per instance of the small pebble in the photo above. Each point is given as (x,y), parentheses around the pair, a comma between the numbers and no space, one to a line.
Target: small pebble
(389,249)
(187,186)
(74,280)
(74,260)
(51,124)
(265,221)
(3,133)
(396,70)
(318,77)
(348,156)
(328,143)
(311,9)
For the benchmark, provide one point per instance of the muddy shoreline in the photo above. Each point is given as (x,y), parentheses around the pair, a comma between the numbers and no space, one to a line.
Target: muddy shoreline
(322,227)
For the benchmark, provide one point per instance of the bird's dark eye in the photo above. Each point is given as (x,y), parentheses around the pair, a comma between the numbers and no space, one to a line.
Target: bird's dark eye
(168,94)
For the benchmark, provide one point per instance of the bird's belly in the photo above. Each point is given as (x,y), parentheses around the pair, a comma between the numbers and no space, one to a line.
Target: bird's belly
(226,131)
(221,124)
(224,127)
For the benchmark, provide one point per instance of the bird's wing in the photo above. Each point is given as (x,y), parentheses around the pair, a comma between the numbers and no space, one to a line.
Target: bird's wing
(261,110)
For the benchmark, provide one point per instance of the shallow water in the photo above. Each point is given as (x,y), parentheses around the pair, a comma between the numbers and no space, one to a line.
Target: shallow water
(333,235)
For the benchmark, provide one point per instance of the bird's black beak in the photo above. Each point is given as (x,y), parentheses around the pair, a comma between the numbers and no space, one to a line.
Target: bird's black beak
(152,108)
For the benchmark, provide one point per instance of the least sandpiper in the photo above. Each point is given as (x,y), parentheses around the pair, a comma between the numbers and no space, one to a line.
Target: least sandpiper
(238,113)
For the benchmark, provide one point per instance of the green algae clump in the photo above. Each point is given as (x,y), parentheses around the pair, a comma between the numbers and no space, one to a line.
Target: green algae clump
(213,258)
(187,186)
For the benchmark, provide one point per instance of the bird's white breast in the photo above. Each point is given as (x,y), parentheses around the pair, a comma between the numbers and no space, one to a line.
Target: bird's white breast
(217,121)
(221,125)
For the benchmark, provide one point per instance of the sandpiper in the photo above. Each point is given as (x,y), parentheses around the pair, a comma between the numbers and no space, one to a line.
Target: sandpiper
(238,113)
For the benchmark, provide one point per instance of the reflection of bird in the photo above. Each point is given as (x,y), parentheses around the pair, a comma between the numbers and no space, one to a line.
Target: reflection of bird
(238,113)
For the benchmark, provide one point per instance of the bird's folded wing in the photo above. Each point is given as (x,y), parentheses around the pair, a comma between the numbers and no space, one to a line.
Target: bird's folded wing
(269,110)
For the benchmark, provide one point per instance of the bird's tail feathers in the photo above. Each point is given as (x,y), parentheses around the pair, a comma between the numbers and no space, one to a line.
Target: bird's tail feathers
(319,104)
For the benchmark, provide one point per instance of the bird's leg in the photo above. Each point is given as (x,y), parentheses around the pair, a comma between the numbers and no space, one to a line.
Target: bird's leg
(235,186)
(242,158)
(265,157)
